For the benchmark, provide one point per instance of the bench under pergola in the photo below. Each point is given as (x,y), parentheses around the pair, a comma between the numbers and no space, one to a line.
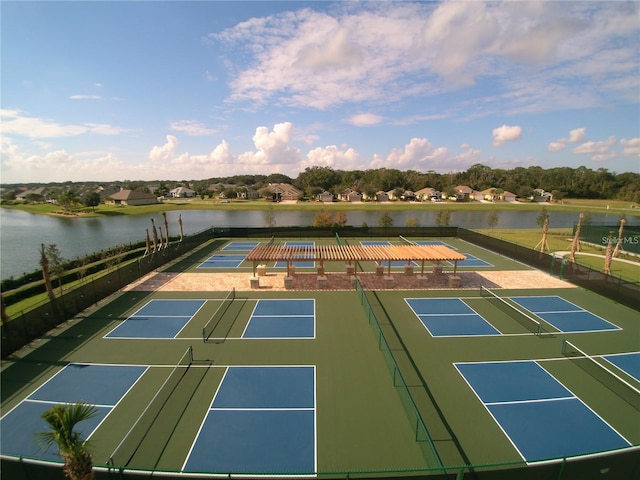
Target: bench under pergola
(354,253)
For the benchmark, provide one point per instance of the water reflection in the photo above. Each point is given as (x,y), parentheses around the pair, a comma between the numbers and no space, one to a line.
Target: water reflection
(22,233)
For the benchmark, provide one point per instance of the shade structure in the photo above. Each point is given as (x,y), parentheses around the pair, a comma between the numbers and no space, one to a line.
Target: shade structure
(354,253)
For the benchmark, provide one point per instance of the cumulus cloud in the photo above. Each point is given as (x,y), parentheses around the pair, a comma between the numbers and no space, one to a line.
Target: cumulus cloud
(60,165)
(332,156)
(600,147)
(274,147)
(576,135)
(556,146)
(631,147)
(506,133)
(164,152)
(364,119)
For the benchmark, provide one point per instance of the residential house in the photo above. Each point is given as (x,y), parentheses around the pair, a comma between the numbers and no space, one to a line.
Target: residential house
(462,193)
(408,196)
(494,195)
(325,197)
(132,197)
(283,192)
(382,196)
(182,192)
(247,193)
(36,193)
(428,194)
(350,195)
(539,195)
(507,196)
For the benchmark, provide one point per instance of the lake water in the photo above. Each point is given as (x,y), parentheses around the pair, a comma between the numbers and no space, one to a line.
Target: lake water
(22,233)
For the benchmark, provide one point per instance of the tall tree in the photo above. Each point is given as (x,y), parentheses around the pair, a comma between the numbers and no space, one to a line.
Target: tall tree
(44,263)
(62,420)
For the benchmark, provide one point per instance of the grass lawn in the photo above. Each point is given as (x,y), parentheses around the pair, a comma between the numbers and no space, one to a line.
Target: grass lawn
(560,239)
(595,206)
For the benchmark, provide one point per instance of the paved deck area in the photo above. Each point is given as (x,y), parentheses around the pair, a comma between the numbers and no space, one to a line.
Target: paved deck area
(159,281)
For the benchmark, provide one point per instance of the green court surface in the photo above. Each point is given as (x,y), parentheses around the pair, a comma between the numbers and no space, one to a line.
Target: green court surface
(387,394)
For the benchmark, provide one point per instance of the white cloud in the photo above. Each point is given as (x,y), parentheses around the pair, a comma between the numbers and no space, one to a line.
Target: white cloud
(556,146)
(506,133)
(631,147)
(60,165)
(274,147)
(604,157)
(577,135)
(192,128)
(383,52)
(333,157)
(364,119)
(600,147)
(85,97)
(17,122)
(164,152)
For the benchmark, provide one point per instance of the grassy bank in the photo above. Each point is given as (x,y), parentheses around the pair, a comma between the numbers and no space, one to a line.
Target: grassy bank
(576,205)
(626,266)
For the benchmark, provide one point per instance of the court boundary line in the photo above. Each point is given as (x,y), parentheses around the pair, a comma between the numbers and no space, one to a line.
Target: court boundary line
(528,462)
(579,310)
(315,409)
(314,316)
(475,313)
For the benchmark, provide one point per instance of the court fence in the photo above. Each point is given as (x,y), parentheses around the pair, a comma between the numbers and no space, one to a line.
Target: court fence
(615,288)
(623,464)
(28,325)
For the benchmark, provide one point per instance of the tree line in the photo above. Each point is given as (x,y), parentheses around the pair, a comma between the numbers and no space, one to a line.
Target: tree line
(581,182)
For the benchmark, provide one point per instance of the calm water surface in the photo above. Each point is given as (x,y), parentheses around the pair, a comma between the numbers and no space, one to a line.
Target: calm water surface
(22,233)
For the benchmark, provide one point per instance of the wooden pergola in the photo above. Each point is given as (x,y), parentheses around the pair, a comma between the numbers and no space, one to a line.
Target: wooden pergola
(356,253)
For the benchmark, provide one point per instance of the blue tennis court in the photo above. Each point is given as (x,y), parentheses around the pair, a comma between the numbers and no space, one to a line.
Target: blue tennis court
(449,317)
(223,261)
(100,385)
(564,315)
(472,261)
(262,420)
(435,243)
(540,416)
(301,263)
(158,319)
(282,319)
(627,362)
(240,246)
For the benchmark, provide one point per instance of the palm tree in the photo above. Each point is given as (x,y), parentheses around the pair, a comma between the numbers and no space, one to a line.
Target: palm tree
(62,418)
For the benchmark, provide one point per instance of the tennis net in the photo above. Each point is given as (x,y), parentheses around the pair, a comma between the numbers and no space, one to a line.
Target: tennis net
(131,442)
(213,322)
(606,376)
(524,319)
(406,241)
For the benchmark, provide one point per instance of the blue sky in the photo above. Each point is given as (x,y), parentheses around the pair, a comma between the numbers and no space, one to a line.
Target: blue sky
(166,90)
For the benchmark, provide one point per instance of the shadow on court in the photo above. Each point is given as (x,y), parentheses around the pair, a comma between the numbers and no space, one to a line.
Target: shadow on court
(221,329)
(29,366)
(151,437)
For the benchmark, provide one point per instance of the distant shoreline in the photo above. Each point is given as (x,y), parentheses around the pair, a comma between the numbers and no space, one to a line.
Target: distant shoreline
(570,205)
